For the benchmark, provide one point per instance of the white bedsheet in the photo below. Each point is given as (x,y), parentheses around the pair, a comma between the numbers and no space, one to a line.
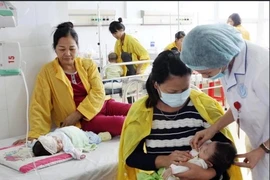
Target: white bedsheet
(100,164)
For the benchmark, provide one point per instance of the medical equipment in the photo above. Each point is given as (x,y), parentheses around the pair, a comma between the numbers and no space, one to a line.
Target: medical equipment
(8,15)
(130,86)
(10,57)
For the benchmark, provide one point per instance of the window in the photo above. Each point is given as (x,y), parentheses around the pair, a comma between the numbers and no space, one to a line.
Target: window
(246,10)
(266,10)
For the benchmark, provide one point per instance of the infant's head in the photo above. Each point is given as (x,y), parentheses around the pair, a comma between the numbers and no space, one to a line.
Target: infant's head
(47,145)
(112,57)
(219,155)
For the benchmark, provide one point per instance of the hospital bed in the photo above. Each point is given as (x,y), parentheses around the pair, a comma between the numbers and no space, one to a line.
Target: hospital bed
(127,86)
(135,85)
(100,164)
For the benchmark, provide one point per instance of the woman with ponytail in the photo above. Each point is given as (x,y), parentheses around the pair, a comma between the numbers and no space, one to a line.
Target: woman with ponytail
(158,127)
(69,91)
(128,49)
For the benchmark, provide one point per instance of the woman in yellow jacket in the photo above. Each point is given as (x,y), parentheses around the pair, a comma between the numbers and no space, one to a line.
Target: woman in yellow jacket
(128,49)
(235,20)
(158,127)
(69,91)
(177,44)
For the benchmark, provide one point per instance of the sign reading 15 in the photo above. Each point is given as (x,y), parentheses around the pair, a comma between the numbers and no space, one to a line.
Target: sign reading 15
(11,59)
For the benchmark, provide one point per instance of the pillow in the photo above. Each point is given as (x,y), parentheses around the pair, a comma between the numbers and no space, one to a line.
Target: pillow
(18,158)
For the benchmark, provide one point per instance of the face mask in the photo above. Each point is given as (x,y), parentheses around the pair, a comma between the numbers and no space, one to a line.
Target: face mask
(175,100)
(219,75)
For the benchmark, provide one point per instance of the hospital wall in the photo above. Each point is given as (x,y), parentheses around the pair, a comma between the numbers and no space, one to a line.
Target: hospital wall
(255,17)
(37,21)
(162,35)
(34,32)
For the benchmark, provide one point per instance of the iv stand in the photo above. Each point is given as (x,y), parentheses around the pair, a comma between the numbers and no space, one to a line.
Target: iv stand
(178,9)
(99,47)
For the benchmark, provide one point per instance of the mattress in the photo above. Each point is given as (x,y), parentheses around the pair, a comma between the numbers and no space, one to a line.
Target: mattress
(100,164)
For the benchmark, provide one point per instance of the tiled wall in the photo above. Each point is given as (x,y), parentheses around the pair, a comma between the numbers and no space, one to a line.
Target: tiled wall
(34,32)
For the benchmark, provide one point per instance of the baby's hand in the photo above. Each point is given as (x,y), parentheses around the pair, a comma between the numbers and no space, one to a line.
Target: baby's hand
(82,156)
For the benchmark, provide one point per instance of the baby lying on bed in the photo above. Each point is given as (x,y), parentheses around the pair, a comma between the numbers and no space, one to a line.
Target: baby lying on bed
(217,155)
(69,139)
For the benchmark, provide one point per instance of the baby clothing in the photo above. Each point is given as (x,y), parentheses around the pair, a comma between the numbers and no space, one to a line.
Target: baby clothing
(113,71)
(180,169)
(74,141)
(175,169)
(195,160)
(48,143)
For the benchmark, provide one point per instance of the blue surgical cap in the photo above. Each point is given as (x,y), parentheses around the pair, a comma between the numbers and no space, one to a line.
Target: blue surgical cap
(211,46)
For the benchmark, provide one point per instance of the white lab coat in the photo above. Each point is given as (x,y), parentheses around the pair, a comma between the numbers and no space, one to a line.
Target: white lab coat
(248,83)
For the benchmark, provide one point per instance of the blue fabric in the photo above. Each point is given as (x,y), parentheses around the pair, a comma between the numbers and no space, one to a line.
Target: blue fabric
(93,137)
(211,46)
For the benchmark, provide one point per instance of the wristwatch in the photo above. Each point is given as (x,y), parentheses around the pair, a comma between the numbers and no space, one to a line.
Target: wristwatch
(263,146)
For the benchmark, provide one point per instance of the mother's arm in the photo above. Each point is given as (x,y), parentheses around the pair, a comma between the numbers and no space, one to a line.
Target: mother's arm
(93,102)
(141,160)
(39,109)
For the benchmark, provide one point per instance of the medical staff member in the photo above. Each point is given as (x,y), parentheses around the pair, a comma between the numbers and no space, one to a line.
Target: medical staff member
(218,51)
(177,44)
(235,20)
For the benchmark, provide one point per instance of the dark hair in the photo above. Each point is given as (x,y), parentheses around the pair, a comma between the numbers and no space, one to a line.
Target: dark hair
(167,63)
(180,35)
(236,19)
(174,49)
(223,157)
(39,150)
(63,30)
(112,56)
(116,26)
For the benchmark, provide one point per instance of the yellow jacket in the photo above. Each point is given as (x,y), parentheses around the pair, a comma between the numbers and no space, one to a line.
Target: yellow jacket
(138,125)
(243,31)
(52,98)
(133,46)
(170,46)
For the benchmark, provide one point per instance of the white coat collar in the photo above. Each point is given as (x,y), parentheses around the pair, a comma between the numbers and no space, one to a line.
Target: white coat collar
(239,68)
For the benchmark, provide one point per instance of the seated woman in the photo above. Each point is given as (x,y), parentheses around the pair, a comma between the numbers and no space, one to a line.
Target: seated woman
(177,44)
(69,90)
(158,127)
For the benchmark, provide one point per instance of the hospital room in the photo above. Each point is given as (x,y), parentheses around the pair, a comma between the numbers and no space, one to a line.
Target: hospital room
(134,90)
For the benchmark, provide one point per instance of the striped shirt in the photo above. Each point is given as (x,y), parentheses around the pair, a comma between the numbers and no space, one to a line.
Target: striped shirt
(173,131)
(169,132)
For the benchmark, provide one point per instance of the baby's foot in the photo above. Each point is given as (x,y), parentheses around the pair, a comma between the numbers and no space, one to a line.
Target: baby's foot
(82,156)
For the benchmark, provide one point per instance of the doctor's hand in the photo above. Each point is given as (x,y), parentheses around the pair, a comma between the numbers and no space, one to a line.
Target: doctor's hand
(201,137)
(72,119)
(251,158)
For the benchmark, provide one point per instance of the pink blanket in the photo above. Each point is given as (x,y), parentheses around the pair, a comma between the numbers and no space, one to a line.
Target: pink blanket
(18,158)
